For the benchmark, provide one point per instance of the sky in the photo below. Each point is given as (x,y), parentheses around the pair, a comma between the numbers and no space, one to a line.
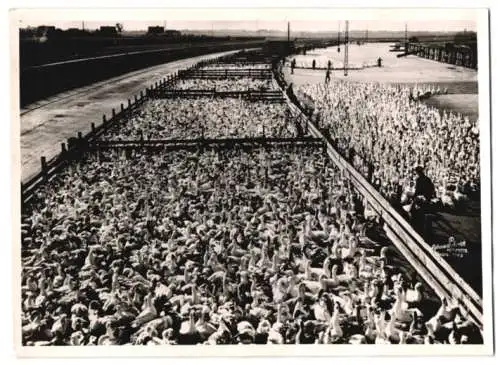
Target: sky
(253,19)
(296,25)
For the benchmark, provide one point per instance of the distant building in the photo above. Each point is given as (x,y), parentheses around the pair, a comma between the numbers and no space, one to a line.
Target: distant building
(172,33)
(161,31)
(156,30)
(108,30)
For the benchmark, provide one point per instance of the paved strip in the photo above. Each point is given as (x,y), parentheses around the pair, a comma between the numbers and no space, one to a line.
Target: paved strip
(48,123)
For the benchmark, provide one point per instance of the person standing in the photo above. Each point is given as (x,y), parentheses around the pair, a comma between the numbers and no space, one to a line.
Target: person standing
(327,76)
(424,192)
(423,185)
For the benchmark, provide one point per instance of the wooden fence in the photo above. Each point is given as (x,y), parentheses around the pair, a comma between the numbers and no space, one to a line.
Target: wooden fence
(74,147)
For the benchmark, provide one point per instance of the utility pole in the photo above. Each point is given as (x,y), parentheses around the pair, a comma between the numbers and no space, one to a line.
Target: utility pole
(83,26)
(288,34)
(338,40)
(366,36)
(346,48)
(406,37)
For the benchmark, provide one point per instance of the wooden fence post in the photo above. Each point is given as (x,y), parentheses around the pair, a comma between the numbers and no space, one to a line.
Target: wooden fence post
(113,113)
(104,119)
(129,103)
(92,127)
(43,162)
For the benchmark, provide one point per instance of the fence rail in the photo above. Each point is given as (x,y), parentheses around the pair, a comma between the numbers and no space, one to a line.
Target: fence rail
(205,142)
(265,95)
(227,73)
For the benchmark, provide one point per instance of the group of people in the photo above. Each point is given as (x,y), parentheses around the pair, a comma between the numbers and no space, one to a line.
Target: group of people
(238,246)
(385,134)
(322,63)
(226,84)
(206,117)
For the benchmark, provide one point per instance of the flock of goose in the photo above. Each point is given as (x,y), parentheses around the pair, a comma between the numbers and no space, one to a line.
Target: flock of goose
(264,246)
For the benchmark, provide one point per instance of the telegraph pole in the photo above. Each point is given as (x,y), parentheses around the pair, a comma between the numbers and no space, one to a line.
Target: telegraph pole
(338,41)
(288,33)
(406,37)
(346,48)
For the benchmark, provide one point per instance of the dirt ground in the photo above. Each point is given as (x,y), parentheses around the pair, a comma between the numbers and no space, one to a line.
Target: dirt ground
(404,69)
(466,104)
(48,123)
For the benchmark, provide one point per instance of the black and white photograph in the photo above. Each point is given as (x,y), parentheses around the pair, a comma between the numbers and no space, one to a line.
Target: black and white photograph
(288,179)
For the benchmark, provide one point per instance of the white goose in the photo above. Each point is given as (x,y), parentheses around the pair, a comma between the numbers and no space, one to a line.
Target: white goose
(264,257)
(148,312)
(314,286)
(334,324)
(415,295)
(380,328)
(313,235)
(351,250)
(204,328)
(365,270)
(339,280)
(390,330)
(188,328)
(90,260)
(370,324)
(313,273)
(445,312)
